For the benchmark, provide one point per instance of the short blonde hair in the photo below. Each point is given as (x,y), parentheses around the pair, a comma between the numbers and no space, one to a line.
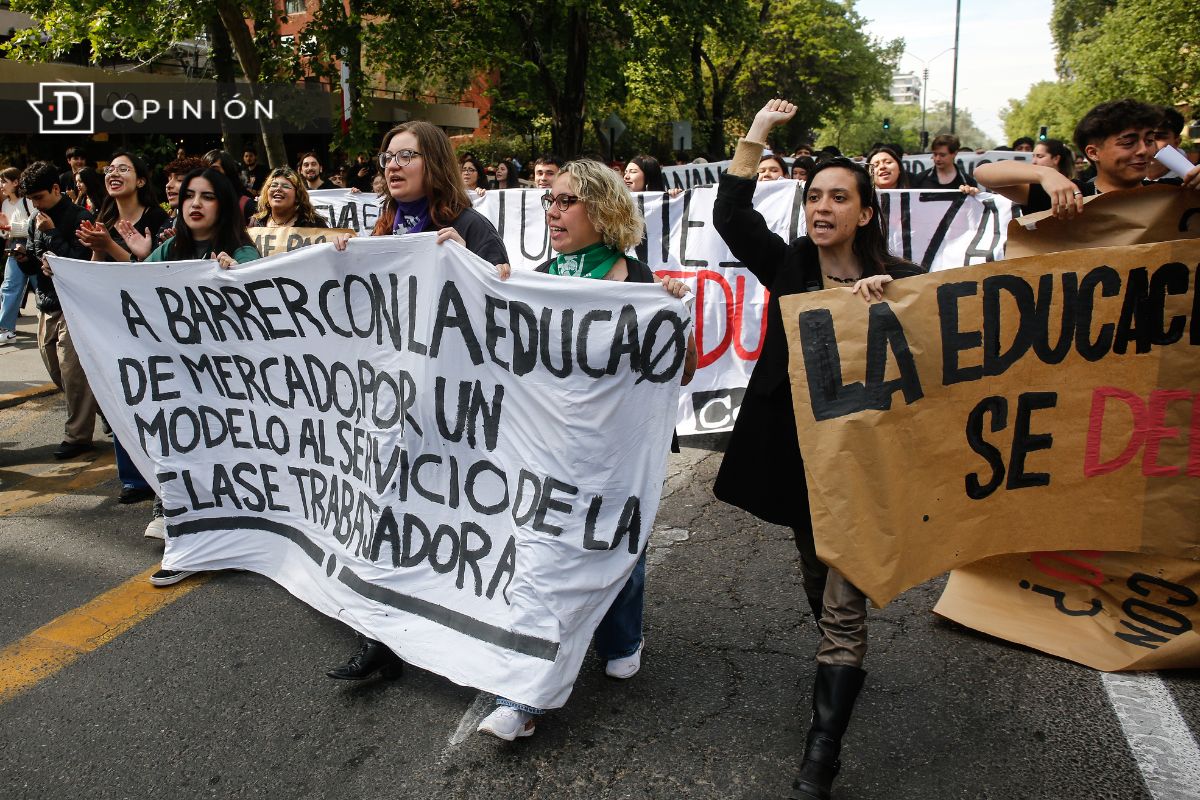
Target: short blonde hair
(608,202)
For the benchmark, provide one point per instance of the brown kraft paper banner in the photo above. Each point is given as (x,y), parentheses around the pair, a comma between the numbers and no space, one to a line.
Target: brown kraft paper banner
(270,241)
(1108,611)
(1134,216)
(973,414)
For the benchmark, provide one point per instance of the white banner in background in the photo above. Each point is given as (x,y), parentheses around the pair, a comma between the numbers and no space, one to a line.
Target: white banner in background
(464,469)
(937,229)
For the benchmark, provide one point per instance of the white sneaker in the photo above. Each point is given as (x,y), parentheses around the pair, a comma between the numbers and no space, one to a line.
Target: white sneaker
(626,667)
(157,529)
(7,336)
(508,723)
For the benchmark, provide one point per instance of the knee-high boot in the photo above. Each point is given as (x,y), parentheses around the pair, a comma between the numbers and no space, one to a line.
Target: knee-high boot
(834,692)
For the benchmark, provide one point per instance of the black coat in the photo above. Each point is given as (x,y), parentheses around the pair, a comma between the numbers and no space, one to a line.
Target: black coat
(60,241)
(762,471)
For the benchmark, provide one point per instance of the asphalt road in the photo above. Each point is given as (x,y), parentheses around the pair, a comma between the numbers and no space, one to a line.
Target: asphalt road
(222,693)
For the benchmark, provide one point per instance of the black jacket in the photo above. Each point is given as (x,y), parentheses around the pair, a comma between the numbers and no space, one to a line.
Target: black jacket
(762,471)
(60,241)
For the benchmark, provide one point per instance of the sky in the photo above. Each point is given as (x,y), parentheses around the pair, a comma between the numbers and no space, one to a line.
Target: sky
(1004,48)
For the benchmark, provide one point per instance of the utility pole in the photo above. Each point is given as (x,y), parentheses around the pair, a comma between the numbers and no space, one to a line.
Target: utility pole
(954,85)
(924,96)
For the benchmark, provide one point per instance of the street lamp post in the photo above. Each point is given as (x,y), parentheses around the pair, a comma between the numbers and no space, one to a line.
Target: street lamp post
(925,86)
(954,85)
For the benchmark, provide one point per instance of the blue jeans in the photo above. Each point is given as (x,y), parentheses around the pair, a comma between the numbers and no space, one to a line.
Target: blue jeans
(619,633)
(126,471)
(12,292)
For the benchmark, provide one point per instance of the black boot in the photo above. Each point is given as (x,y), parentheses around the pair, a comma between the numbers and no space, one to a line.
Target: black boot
(372,657)
(834,692)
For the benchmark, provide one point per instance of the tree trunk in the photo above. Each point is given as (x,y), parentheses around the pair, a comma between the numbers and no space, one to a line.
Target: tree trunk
(222,58)
(243,45)
(570,114)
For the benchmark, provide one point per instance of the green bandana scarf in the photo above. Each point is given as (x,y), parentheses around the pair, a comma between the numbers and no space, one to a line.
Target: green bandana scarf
(593,261)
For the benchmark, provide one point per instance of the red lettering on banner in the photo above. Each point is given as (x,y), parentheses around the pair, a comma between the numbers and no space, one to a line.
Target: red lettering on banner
(1149,431)
(707,357)
(740,315)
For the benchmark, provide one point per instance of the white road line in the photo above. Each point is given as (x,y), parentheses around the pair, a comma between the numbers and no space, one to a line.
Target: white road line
(660,542)
(1163,746)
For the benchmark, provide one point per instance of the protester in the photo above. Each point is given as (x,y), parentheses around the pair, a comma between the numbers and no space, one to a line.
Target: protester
(213,228)
(76,160)
(360,174)
(425,192)
(1055,154)
(593,222)
(15,212)
(1118,138)
(89,189)
(544,170)
(175,172)
(802,167)
(310,169)
(1023,144)
(53,232)
(887,168)
(643,173)
(945,174)
(762,471)
(130,197)
(253,173)
(803,150)
(284,202)
(507,176)
(474,175)
(223,162)
(771,168)
(1168,134)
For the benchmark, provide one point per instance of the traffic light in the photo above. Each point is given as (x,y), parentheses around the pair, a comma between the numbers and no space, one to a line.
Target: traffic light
(887,123)
(1042,133)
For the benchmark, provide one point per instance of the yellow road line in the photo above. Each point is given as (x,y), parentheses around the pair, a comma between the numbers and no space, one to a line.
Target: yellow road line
(55,481)
(58,643)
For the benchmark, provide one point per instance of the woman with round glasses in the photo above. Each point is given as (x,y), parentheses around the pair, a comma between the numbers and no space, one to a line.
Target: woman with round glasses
(130,197)
(593,222)
(474,175)
(284,202)
(424,192)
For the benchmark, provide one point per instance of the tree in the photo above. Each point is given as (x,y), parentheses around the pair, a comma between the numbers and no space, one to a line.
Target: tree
(860,128)
(1056,105)
(1068,19)
(142,29)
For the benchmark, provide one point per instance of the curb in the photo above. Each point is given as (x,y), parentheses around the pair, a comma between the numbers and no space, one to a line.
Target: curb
(18,397)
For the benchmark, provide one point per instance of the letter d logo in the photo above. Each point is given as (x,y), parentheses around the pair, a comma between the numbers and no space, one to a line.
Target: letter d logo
(65,108)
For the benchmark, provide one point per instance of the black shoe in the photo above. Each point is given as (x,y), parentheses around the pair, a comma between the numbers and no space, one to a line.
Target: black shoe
(71,449)
(372,657)
(135,494)
(834,692)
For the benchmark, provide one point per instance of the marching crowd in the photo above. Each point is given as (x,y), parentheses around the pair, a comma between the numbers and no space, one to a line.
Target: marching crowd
(113,214)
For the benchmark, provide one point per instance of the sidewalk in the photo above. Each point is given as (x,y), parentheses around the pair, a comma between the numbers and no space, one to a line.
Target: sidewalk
(22,373)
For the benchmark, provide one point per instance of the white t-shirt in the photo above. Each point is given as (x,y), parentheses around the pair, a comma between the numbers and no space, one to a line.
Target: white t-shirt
(18,214)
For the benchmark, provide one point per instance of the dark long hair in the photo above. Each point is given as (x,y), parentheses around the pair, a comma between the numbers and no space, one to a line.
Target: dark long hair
(513,181)
(655,182)
(902,181)
(230,233)
(441,177)
(481,178)
(146,196)
(870,240)
(1066,159)
(93,186)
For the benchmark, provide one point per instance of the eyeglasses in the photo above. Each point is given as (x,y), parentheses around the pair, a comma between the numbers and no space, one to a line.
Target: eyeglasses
(402,158)
(469,168)
(283,187)
(563,201)
(120,169)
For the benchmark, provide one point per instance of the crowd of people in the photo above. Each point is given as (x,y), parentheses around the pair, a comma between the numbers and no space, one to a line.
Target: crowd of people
(113,215)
